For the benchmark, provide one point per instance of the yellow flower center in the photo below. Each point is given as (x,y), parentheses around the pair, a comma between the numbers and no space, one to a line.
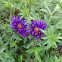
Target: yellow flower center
(19,26)
(61,50)
(36,28)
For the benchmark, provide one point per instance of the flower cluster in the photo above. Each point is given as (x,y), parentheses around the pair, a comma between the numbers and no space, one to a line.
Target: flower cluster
(35,27)
(60,50)
(19,25)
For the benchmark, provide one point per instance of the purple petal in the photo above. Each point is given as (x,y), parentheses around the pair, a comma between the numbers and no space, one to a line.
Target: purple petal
(18,32)
(60,47)
(32,22)
(19,17)
(57,51)
(32,32)
(25,26)
(28,31)
(23,34)
(37,22)
(31,37)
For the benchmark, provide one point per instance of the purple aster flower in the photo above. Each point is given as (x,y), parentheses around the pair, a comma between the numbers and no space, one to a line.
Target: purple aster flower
(60,50)
(35,28)
(19,25)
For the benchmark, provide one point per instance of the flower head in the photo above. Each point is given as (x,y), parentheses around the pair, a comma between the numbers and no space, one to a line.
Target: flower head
(19,25)
(60,50)
(35,28)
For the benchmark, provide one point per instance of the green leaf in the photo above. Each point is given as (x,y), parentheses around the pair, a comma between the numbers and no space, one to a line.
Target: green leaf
(59,26)
(59,23)
(25,11)
(60,59)
(29,45)
(1,41)
(59,37)
(45,42)
(56,17)
(44,10)
(2,49)
(21,58)
(37,56)
(25,39)
(32,2)
(5,25)
(44,32)
(27,1)
(60,3)
(31,50)
(13,44)
(46,19)
(36,48)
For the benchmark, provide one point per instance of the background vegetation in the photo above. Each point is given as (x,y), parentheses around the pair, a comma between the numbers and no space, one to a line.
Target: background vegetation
(15,48)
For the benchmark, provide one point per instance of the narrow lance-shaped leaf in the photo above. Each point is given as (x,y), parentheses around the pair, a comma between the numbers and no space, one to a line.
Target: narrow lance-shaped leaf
(37,56)
(37,48)
(44,32)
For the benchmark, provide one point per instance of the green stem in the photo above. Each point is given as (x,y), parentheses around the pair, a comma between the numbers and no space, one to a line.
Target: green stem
(55,9)
(47,7)
(20,48)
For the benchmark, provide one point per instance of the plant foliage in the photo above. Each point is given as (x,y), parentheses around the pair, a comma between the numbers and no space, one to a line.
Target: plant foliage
(16,48)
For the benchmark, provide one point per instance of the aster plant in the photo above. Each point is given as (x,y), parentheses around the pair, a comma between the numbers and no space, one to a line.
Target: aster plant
(52,38)
(15,45)
(35,29)
(19,25)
